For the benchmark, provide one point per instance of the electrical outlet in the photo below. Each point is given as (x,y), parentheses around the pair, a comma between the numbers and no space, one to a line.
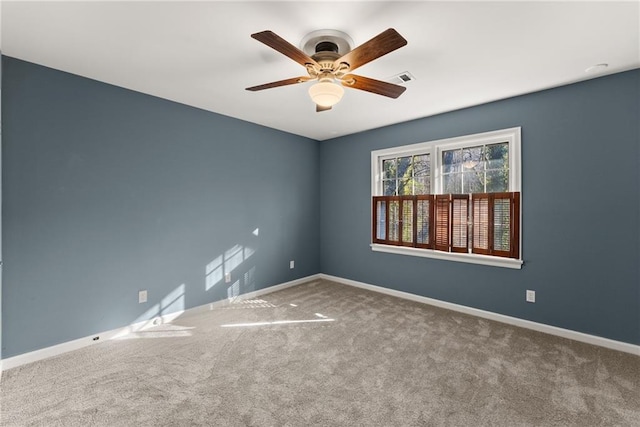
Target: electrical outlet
(227,277)
(292,264)
(531,296)
(142,297)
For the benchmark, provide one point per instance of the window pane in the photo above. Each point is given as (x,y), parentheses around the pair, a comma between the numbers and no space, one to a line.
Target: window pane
(472,158)
(394,220)
(452,184)
(422,185)
(389,187)
(452,161)
(407,221)
(422,165)
(389,169)
(422,225)
(404,169)
(501,224)
(497,181)
(381,214)
(498,156)
(406,187)
(473,182)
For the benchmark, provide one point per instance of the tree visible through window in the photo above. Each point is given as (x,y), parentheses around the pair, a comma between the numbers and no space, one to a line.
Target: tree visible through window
(409,175)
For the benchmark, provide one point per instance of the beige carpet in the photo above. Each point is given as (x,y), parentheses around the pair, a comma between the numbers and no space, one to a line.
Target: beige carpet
(325,354)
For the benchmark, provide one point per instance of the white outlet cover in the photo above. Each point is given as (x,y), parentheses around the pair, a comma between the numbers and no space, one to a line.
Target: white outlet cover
(142,297)
(531,296)
(292,264)
(227,277)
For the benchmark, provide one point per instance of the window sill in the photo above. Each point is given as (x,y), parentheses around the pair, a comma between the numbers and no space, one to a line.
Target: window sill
(450,256)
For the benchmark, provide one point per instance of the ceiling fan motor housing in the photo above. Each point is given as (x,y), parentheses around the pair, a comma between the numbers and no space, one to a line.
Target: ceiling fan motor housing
(326,46)
(326,40)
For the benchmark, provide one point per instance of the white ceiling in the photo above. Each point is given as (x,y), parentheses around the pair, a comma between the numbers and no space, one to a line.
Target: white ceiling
(201,53)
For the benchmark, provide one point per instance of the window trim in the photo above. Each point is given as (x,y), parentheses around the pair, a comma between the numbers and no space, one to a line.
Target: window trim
(434,149)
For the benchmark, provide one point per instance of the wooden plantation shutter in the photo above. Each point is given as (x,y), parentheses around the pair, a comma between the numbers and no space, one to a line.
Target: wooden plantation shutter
(442,222)
(482,232)
(459,222)
(407,220)
(489,223)
(506,225)
(424,221)
(379,220)
(496,224)
(394,219)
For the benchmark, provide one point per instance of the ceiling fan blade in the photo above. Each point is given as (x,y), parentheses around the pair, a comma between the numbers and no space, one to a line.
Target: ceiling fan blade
(380,45)
(279,83)
(276,42)
(372,85)
(320,108)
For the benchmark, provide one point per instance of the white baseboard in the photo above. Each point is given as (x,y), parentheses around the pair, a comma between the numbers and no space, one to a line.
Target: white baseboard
(33,356)
(44,353)
(528,324)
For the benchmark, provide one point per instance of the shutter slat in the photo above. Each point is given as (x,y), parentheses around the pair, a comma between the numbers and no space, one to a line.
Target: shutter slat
(481,224)
(442,222)
(393,227)
(459,223)
(407,237)
(424,221)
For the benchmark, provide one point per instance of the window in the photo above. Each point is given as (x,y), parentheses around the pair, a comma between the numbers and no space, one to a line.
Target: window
(456,199)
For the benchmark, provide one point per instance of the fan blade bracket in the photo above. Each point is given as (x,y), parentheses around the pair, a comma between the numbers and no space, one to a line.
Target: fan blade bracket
(313,71)
(348,82)
(320,108)
(340,70)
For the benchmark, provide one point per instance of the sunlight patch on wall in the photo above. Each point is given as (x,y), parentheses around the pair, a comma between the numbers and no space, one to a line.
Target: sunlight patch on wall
(226,263)
(233,258)
(214,273)
(174,301)
(234,290)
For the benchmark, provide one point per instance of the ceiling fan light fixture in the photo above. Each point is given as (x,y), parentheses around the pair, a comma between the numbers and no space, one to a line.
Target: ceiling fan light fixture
(326,94)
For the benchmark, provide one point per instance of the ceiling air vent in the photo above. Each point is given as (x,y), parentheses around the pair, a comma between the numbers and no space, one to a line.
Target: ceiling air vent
(402,78)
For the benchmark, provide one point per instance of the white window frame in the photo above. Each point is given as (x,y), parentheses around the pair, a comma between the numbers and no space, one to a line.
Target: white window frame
(435,149)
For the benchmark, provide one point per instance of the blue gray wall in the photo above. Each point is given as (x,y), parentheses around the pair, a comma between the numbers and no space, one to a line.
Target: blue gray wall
(580,155)
(107,192)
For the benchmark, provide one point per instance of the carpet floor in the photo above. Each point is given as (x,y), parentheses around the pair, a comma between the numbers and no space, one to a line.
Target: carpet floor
(326,354)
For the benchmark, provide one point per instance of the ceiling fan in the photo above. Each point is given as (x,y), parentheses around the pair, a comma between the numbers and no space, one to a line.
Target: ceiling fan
(332,69)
